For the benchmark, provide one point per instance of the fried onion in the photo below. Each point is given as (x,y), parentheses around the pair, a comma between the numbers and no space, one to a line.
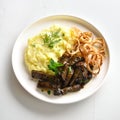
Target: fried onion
(92,49)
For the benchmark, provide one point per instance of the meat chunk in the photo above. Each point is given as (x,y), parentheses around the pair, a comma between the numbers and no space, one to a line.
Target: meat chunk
(46,81)
(76,59)
(64,59)
(75,75)
(71,77)
(67,89)
(42,76)
(46,85)
(68,73)
(65,72)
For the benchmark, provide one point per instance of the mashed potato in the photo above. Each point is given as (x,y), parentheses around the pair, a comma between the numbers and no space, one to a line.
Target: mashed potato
(50,43)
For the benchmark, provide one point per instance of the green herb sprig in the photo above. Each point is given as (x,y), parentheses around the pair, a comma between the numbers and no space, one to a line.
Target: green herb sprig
(54,66)
(51,39)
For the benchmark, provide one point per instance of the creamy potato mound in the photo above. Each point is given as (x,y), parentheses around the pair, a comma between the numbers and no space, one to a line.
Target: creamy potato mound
(50,43)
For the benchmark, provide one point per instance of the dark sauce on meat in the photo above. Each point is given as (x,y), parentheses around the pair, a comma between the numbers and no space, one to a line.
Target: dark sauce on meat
(72,76)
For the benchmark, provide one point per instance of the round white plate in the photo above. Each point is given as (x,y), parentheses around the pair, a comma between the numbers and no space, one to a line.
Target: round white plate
(24,77)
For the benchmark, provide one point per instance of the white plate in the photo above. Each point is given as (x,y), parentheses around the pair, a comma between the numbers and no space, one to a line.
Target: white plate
(24,77)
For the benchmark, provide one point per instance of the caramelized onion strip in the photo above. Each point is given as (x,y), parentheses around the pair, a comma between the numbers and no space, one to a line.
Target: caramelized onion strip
(92,49)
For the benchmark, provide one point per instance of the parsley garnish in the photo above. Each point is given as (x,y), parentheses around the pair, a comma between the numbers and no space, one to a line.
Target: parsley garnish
(56,33)
(49,92)
(52,38)
(54,66)
(51,44)
(69,69)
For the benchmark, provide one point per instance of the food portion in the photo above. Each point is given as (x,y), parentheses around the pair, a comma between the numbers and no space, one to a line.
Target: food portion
(64,59)
(50,43)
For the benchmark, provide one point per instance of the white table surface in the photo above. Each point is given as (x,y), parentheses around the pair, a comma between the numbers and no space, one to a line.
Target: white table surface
(16,103)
